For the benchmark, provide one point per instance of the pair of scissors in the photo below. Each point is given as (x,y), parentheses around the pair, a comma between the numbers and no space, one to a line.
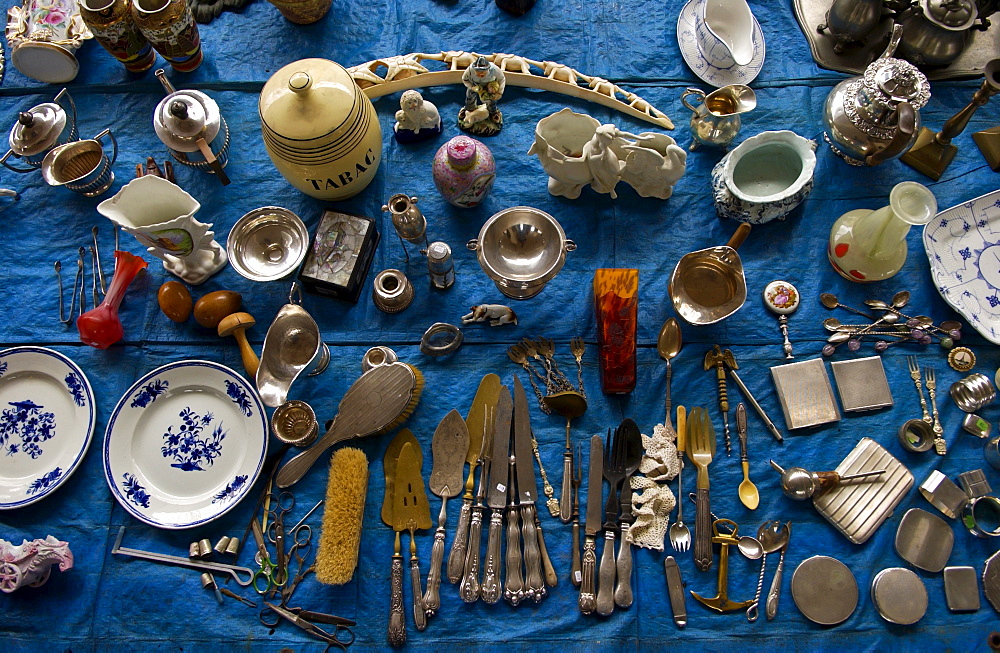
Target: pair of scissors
(270,576)
(341,637)
(301,547)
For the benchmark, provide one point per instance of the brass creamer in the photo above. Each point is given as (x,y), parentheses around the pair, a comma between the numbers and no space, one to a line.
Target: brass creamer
(715,121)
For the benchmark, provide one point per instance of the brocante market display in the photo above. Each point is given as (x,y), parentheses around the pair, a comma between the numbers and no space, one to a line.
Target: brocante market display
(186,443)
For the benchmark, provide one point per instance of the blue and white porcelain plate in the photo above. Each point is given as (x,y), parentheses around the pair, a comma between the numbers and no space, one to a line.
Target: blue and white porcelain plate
(963,247)
(46,421)
(185,444)
(707,72)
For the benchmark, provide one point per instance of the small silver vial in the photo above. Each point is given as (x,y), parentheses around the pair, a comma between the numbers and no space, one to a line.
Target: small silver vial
(440,265)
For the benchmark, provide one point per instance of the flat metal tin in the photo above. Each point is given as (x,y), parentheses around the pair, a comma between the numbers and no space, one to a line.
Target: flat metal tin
(861,384)
(899,596)
(961,589)
(924,540)
(824,590)
(805,393)
(858,509)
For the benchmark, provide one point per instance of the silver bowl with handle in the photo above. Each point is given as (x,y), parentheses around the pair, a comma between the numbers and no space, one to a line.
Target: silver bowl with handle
(521,249)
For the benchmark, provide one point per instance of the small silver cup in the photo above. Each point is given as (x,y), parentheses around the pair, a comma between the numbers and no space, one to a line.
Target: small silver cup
(82,166)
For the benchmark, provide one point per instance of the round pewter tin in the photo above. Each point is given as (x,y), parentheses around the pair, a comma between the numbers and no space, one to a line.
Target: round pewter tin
(899,596)
(824,590)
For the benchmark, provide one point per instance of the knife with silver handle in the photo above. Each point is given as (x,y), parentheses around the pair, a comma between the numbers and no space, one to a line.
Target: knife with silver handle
(623,590)
(606,581)
(527,488)
(675,588)
(514,587)
(551,579)
(432,597)
(468,588)
(456,559)
(566,498)
(496,497)
(595,487)
(575,572)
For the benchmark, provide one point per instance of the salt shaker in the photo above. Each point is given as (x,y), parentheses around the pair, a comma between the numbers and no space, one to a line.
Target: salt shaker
(440,265)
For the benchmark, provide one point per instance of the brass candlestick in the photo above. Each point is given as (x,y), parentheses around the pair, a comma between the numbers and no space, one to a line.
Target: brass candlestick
(932,153)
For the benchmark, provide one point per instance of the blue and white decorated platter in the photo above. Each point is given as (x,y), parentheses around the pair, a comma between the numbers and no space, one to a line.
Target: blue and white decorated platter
(700,66)
(963,248)
(185,444)
(47,418)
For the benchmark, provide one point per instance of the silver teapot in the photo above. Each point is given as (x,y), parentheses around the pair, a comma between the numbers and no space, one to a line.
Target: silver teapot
(936,32)
(875,117)
(191,126)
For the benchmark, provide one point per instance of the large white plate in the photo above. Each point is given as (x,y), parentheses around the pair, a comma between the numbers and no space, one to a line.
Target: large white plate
(185,444)
(701,67)
(46,422)
(963,247)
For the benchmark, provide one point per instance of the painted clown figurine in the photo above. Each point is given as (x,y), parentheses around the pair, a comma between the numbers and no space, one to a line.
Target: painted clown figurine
(484,83)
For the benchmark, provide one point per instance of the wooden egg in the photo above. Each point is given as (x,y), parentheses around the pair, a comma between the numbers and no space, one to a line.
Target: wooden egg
(175,301)
(210,309)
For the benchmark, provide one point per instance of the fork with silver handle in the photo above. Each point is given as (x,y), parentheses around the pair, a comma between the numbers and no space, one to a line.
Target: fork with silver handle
(930,380)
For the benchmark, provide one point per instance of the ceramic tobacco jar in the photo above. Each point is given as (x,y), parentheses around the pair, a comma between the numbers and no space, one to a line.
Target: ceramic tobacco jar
(320,130)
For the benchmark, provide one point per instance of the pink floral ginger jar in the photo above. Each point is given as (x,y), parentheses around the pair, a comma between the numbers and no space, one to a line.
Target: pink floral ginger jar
(464,171)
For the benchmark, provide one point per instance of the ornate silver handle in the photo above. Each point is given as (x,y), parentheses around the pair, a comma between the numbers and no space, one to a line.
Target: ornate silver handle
(419,612)
(575,571)
(551,579)
(623,591)
(397,623)
(566,498)
(753,611)
(514,587)
(587,600)
(606,579)
(468,589)
(456,559)
(702,530)
(491,570)
(771,605)
(432,598)
(533,583)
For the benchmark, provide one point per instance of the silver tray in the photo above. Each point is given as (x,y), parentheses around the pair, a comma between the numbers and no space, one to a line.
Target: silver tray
(858,509)
(810,13)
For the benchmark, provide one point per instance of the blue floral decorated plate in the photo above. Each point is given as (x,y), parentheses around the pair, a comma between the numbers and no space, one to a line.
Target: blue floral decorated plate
(46,422)
(963,247)
(185,444)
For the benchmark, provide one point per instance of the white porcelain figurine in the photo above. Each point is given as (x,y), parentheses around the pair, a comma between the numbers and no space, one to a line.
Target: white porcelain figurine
(417,119)
(496,314)
(575,150)
(31,562)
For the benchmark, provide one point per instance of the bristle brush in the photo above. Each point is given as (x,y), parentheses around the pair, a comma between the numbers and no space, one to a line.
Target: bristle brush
(380,400)
(337,556)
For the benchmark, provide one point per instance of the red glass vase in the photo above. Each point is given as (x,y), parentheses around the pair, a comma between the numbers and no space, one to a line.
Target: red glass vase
(101,327)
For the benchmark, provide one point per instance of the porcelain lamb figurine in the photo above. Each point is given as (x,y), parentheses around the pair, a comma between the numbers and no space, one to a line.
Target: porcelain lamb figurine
(31,562)
(417,119)
(496,314)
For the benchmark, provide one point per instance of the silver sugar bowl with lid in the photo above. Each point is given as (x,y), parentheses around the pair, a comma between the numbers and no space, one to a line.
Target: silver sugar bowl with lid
(875,117)
(41,129)
(191,126)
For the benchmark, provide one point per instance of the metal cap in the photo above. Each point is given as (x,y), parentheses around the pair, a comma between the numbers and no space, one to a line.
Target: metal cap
(952,15)
(37,129)
(185,116)
(899,596)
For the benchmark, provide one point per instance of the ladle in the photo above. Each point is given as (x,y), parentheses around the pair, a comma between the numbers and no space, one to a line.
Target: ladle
(569,404)
(772,537)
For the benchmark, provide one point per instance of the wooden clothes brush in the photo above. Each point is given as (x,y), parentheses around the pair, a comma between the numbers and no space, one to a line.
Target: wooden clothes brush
(344,511)
(380,400)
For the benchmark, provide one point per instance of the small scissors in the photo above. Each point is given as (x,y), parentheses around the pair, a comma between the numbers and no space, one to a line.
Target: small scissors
(342,636)
(280,506)
(270,576)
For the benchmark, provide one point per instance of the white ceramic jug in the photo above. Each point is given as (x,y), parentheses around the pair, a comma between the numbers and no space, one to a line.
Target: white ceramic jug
(160,215)
(724,29)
